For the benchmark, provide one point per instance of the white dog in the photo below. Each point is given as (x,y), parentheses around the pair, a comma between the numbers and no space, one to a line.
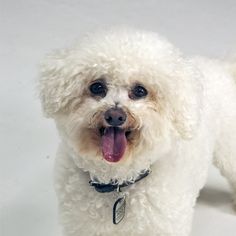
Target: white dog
(139,125)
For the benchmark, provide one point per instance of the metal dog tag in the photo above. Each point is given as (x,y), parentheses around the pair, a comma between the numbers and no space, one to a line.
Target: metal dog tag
(119,210)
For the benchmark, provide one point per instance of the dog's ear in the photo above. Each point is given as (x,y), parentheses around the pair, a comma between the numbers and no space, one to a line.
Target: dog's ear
(186,100)
(59,76)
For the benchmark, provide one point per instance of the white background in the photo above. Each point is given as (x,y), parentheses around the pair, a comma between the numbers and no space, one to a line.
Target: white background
(28,30)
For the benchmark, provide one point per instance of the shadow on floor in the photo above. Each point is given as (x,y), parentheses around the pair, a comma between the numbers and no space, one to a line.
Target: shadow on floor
(217,198)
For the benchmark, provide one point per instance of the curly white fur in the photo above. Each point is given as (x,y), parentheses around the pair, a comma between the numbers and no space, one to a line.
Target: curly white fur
(186,122)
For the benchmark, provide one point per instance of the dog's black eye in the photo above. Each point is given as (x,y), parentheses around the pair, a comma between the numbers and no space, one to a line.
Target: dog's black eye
(138,91)
(98,89)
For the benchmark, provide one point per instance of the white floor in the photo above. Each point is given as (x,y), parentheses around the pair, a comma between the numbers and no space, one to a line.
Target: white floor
(28,30)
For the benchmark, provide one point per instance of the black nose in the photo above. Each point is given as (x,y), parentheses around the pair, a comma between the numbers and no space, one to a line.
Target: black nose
(115,116)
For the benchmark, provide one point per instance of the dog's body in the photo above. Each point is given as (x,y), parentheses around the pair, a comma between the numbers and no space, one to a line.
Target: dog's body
(179,116)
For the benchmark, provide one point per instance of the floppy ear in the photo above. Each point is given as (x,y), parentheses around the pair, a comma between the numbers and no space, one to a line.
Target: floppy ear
(59,76)
(186,100)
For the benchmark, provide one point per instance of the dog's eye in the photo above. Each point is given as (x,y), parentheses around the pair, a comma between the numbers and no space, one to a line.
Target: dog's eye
(138,91)
(98,89)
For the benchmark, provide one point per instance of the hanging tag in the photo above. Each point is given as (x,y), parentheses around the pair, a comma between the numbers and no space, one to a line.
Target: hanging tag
(119,210)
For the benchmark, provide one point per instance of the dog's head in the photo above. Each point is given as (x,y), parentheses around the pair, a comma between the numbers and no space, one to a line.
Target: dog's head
(120,99)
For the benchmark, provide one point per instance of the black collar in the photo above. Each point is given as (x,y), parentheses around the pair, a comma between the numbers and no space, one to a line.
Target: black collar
(112,186)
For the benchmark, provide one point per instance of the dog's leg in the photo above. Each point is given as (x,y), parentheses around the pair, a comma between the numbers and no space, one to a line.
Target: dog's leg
(178,183)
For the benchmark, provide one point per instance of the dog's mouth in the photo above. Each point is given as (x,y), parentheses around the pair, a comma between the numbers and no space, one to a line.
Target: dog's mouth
(114,142)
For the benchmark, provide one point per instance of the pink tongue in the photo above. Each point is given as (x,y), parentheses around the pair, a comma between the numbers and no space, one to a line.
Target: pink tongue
(113,144)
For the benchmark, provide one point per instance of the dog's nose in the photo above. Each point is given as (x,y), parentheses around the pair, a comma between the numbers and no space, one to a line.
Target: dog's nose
(115,116)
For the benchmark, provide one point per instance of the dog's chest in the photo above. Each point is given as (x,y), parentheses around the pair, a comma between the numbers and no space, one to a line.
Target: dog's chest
(84,211)
(83,206)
